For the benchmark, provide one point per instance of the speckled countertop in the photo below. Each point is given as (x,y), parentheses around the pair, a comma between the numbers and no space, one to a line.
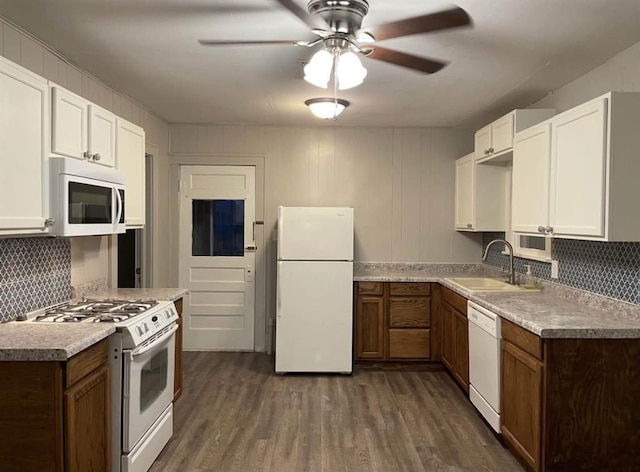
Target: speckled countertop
(169,294)
(27,341)
(553,313)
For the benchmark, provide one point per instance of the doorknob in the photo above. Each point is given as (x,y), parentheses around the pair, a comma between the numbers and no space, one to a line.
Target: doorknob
(251,249)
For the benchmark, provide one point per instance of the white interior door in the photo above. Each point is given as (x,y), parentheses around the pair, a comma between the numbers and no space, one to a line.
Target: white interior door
(217,256)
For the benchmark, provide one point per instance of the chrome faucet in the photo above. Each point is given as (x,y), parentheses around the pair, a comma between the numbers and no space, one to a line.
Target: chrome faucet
(512,273)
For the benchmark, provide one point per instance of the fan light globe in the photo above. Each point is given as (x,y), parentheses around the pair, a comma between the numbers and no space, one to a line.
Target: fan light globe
(350,71)
(318,71)
(327,108)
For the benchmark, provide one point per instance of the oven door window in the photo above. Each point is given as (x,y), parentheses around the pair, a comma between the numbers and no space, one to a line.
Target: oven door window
(148,388)
(89,204)
(153,379)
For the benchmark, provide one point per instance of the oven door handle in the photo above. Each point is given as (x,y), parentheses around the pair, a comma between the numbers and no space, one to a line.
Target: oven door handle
(162,339)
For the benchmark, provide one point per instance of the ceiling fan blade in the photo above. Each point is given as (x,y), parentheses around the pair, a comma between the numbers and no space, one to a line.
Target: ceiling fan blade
(421,64)
(313,22)
(213,42)
(446,19)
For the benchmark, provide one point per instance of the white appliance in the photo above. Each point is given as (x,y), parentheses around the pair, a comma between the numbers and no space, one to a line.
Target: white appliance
(86,199)
(141,369)
(314,322)
(484,363)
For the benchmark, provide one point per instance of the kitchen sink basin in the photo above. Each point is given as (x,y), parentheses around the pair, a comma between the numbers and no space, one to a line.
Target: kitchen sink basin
(483,284)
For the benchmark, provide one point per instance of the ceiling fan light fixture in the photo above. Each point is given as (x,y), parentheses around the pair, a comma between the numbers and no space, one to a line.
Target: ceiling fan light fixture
(350,71)
(318,71)
(327,108)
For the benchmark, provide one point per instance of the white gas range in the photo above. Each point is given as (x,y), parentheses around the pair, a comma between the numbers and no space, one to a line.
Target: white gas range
(141,363)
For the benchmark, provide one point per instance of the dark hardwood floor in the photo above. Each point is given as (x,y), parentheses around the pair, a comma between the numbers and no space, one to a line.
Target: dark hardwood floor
(235,415)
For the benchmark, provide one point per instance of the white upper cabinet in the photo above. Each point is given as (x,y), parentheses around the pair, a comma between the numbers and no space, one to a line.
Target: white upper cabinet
(80,129)
(465,184)
(579,171)
(130,149)
(495,141)
(530,187)
(102,136)
(69,123)
(480,196)
(590,155)
(24,131)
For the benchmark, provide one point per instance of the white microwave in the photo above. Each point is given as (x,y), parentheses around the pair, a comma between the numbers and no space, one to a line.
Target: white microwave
(86,198)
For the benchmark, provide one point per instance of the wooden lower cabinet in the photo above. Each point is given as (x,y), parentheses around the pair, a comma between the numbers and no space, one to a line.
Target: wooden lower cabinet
(455,337)
(177,379)
(87,423)
(370,323)
(522,406)
(392,321)
(55,416)
(570,404)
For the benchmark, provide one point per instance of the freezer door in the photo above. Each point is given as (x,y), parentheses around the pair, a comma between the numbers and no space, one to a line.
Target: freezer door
(314,317)
(312,234)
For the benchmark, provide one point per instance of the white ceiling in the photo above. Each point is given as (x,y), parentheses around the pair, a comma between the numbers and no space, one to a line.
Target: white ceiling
(518,51)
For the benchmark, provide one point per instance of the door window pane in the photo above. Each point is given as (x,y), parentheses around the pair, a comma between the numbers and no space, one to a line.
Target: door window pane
(153,380)
(218,228)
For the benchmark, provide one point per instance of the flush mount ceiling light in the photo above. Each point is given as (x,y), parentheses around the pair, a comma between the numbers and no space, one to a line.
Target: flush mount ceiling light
(338,62)
(327,108)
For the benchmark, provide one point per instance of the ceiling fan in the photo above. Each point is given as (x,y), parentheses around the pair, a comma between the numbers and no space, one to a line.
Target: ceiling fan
(338,25)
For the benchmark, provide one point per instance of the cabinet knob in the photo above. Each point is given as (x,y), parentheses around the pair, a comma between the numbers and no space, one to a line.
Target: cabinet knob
(549,229)
(49,222)
(96,156)
(486,151)
(469,225)
(87,155)
(541,229)
(490,150)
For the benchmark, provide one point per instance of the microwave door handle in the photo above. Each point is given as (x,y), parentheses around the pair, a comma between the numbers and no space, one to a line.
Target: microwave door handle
(119,213)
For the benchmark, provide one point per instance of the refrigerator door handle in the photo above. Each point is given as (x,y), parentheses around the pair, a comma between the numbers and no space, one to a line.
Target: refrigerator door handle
(279,297)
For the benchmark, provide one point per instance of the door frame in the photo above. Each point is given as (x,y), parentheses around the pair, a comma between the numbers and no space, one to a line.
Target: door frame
(257,161)
(149,234)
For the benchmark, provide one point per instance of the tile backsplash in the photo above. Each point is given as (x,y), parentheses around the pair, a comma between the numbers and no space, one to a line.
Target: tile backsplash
(609,269)
(34,273)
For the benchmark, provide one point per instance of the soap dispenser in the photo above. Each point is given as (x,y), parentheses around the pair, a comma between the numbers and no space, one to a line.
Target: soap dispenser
(529,282)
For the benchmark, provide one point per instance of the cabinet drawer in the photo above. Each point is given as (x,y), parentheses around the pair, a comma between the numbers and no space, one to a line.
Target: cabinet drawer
(406,288)
(370,288)
(456,301)
(520,337)
(409,343)
(410,312)
(86,362)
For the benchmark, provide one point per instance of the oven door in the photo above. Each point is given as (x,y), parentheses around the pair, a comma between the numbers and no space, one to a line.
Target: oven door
(147,387)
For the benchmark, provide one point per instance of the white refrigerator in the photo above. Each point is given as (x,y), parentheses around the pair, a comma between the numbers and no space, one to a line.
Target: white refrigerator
(314,315)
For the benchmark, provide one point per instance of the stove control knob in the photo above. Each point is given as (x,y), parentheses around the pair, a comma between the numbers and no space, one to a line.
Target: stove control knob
(146,327)
(139,331)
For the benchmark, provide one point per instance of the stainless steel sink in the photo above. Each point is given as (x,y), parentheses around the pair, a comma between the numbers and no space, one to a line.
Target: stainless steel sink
(483,284)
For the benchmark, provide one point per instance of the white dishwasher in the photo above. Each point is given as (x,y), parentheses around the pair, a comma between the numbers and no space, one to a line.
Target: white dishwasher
(484,363)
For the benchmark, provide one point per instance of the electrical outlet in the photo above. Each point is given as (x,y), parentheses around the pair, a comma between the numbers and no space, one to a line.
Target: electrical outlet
(554,269)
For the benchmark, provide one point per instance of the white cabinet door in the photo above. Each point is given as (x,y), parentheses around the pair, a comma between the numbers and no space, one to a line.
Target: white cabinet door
(24,123)
(578,170)
(530,189)
(502,134)
(69,124)
(102,136)
(465,192)
(130,145)
(483,142)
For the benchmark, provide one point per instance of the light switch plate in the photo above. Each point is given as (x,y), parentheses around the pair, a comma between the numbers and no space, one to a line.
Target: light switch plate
(554,269)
